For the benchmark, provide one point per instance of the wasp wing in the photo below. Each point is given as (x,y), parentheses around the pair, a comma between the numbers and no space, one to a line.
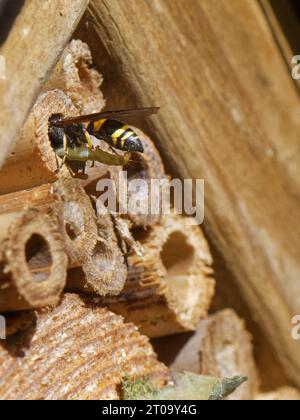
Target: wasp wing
(119,114)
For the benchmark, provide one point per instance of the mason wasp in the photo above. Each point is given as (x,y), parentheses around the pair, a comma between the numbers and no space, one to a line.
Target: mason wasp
(71,137)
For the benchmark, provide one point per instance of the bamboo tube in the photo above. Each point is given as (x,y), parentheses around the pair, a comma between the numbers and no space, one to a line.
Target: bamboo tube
(77,351)
(33,161)
(147,166)
(66,200)
(33,262)
(79,221)
(75,76)
(221,346)
(170,288)
(31,50)
(105,271)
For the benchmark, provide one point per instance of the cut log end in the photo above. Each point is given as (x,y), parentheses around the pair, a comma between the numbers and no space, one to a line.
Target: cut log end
(34,264)
(98,349)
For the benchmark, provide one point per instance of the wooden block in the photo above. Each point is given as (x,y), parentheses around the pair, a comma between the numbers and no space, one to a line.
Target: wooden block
(76,351)
(221,346)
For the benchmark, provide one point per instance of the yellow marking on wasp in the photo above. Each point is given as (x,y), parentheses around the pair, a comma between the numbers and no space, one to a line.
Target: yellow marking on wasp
(88,139)
(118,133)
(123,139)
(127,135)
(98,124)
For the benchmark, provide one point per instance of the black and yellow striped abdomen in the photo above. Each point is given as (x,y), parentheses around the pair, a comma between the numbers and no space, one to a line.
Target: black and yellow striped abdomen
(117,134)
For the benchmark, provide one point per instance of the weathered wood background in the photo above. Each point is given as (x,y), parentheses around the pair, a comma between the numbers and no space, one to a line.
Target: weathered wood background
(229,114)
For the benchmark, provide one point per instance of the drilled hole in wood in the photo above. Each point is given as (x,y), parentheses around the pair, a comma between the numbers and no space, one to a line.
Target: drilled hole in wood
(71,230)
(74,220)
(140,234)
(38,257)
(177,257)
(103,258)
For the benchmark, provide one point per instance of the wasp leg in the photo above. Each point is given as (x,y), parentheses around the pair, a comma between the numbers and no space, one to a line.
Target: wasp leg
(57,163)
(88,139)
(66,150)
(72,172)
(90,146)
(83,169)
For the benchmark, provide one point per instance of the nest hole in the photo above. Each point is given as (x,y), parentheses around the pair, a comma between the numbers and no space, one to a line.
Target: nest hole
(38,257)
(74,222)
(72,231)
(141,234)
(177,256)
(104,260)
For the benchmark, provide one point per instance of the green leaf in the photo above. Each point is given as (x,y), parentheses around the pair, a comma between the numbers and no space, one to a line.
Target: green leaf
(187,386)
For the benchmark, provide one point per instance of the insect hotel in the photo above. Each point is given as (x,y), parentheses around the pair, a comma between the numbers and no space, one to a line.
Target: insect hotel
(149,200)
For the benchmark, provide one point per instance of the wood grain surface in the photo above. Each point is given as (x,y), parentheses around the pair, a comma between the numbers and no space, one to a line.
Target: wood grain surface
(229,114)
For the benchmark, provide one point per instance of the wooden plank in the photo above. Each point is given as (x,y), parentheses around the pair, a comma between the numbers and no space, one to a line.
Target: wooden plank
(31,50)
(230,114)
(87,351)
